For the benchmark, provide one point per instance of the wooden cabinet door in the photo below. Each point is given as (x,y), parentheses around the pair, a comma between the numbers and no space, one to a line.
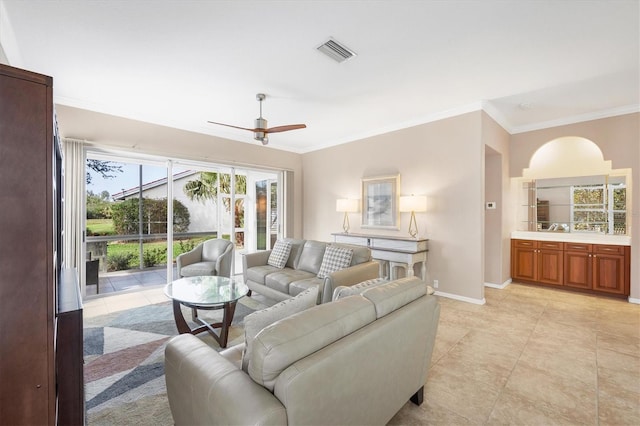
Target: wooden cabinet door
(609,273)
(577,269)
(524,263)
(550,266)
(27,370)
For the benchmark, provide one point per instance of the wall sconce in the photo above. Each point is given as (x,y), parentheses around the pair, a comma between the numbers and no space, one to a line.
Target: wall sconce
(413,203)
(347,206)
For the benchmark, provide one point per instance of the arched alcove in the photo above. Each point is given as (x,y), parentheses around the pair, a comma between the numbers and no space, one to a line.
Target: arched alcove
(563,163)
(567,156)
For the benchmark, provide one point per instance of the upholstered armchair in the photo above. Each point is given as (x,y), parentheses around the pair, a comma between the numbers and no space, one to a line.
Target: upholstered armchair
(211,257)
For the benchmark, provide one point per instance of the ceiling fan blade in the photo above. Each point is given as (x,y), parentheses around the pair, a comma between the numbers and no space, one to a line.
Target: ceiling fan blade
(235,127)
(285,128)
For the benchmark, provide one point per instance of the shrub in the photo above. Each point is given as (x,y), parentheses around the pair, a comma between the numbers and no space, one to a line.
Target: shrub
(119,261)
(154,212)
(154,256)
(186,245)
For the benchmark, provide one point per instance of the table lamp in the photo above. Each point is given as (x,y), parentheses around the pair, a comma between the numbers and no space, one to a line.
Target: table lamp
(347,206)
(413,203)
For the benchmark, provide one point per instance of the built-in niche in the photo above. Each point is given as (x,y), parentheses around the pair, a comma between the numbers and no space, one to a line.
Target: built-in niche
(569,187)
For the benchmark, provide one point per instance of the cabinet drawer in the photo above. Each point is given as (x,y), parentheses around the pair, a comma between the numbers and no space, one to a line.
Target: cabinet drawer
(525,243)
(577,247)
(605,249)
(550,245)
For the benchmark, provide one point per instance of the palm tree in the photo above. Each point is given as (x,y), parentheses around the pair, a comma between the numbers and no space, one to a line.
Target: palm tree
(202,189)
(206,188)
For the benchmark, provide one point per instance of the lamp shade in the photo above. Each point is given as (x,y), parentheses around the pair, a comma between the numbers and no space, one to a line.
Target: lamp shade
(346,205)
(413,203)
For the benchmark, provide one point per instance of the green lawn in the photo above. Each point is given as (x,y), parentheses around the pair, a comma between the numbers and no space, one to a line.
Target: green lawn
(100,227)
(116,248)
(155,249)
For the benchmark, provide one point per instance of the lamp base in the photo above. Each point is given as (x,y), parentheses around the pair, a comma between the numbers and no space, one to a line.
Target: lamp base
(413,226)
(345,223)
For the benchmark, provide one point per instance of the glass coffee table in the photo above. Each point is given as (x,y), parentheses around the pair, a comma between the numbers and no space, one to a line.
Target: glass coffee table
(205,293)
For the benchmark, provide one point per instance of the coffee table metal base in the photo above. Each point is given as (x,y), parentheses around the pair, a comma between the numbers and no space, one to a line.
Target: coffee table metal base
(228,308)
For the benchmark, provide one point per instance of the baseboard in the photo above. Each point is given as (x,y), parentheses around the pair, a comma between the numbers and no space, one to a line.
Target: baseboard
(634,300)
(498,286)
(461,298)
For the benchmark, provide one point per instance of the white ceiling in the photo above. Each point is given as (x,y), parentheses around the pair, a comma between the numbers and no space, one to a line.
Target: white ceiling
(530,64)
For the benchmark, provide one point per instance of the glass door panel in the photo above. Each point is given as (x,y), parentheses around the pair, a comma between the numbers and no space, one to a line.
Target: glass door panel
(126,223)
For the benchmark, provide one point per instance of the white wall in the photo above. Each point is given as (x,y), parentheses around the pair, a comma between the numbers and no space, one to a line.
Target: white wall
(498,228)
(493,218)
(442,160)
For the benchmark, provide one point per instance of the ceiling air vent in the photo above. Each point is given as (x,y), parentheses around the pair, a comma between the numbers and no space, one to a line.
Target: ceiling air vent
(336,51)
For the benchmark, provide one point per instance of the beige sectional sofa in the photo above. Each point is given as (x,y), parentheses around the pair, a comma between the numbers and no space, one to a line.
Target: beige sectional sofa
(353,361)
(301,270)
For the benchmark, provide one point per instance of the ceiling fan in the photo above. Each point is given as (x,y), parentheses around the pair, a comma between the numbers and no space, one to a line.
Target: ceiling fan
(261,131)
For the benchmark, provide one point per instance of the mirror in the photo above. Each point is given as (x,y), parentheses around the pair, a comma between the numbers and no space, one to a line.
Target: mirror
(594,204)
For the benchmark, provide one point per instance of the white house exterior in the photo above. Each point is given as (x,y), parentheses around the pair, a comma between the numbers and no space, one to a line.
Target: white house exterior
(203,214)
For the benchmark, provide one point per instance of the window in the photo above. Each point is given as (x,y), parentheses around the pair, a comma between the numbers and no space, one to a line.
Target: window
(599,208)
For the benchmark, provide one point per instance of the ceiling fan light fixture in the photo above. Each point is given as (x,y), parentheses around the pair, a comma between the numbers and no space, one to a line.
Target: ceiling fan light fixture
(261,130)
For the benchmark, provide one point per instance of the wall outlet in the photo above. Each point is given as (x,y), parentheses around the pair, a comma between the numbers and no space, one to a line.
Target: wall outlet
(435,283)
(491,205)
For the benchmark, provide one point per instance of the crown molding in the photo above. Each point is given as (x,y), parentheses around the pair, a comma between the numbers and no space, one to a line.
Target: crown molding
(613,112)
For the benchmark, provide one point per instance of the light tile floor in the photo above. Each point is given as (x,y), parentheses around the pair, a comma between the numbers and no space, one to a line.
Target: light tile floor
(531,355)
(133,279)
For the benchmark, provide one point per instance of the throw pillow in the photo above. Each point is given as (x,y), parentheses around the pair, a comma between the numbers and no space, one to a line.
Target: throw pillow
(344,291)
(335,258)
(279,254)
(255,322)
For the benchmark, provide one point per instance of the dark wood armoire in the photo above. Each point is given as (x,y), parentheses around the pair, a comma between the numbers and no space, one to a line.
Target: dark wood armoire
(40,305)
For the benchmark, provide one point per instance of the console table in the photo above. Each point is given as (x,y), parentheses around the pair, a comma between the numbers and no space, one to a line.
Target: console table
(392,251)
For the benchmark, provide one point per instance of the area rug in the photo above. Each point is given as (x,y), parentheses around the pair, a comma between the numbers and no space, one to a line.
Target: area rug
(124,361)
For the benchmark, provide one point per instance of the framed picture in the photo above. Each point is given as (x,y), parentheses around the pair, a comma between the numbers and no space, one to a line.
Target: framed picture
(380,202)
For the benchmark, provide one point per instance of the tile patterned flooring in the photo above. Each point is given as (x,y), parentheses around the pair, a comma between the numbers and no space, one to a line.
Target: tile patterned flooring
(530,355)
(533,355)
(134,279)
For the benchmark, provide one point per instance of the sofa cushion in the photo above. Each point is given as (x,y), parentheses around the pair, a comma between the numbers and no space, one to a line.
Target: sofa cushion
(344,291)
(259,273)
(394,295)
(311,256)
(281,344)
(281,278)
(334,259)
(297,287)
(279,254)
(198,268)
(296,249)
(213,249)
(255,322)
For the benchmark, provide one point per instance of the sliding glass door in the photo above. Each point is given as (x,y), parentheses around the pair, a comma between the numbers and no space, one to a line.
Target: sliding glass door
(127,216)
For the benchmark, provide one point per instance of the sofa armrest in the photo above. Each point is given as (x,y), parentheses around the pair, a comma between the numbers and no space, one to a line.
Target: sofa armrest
(258,258)
(224,262)
(187,258)
(250,260)
(205,388)
(349,276)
